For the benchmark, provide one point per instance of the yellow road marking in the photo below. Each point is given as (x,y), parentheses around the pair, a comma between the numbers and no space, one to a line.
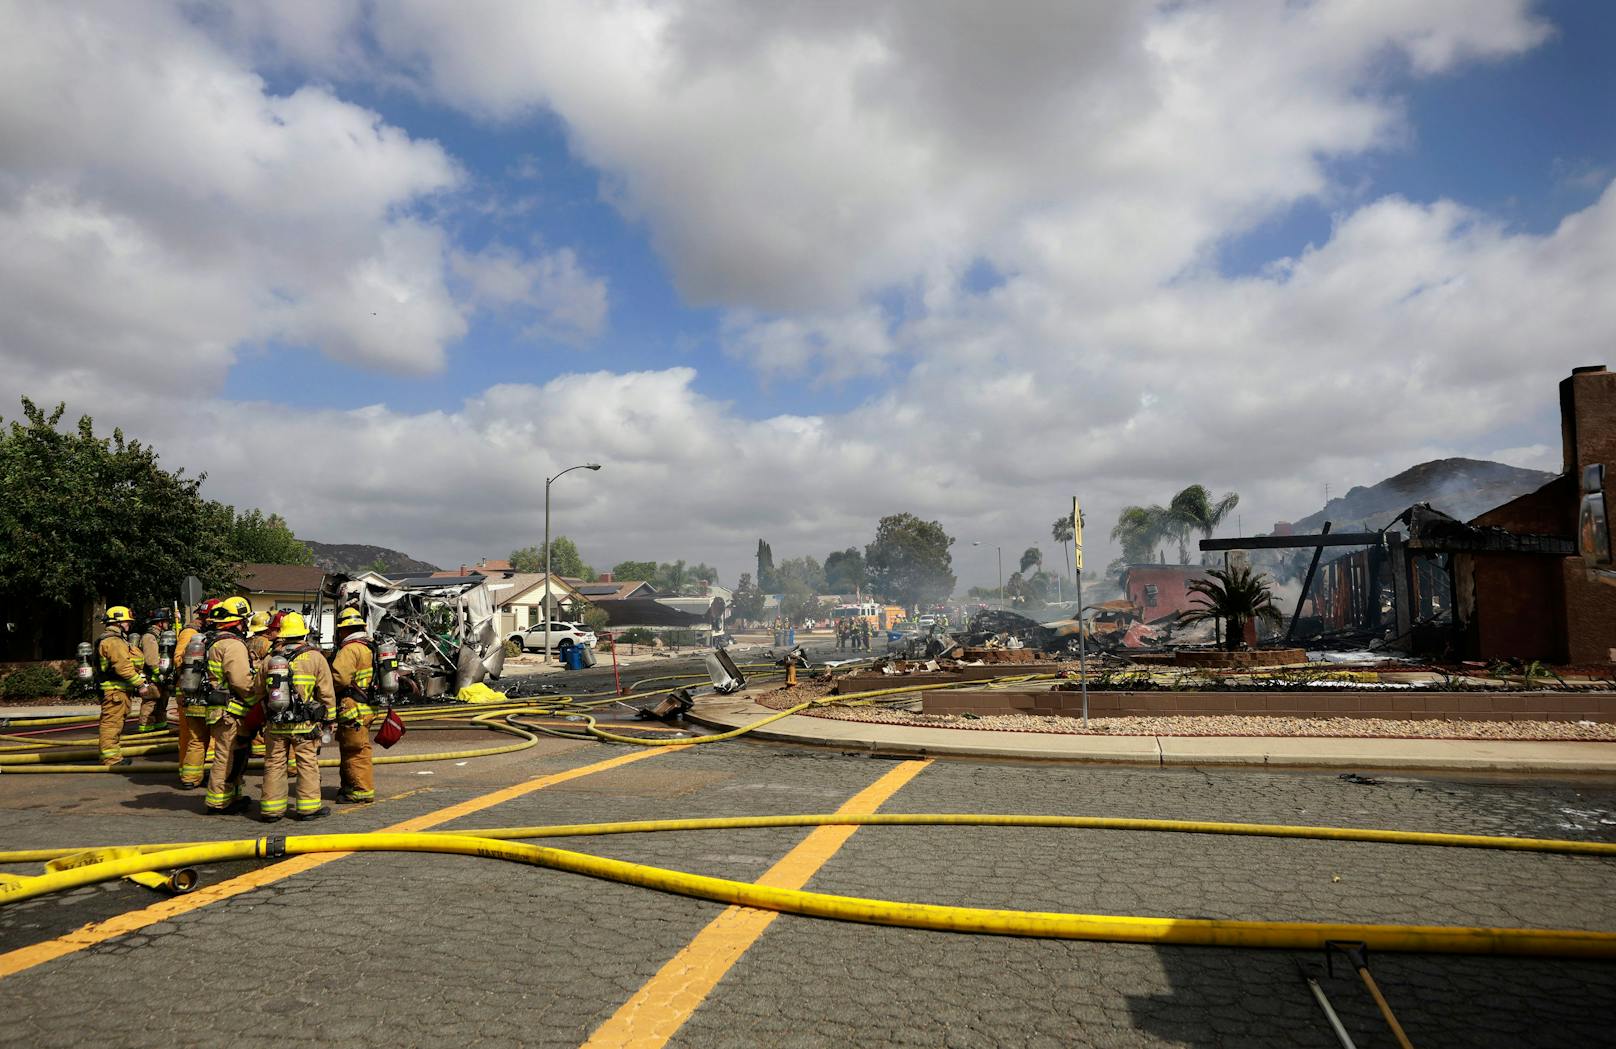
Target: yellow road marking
(13,962)
(660,1007)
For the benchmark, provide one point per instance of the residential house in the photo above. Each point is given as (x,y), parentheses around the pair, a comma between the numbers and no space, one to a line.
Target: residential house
(1161,591)
(280,588)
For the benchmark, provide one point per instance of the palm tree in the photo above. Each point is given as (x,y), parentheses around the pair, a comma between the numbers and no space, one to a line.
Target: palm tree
(1193,510)
(1235,596)
(1033,557)
(1063,533)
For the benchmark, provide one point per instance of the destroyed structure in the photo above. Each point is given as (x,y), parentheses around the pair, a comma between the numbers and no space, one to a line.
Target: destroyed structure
(445,628)
(1508,584)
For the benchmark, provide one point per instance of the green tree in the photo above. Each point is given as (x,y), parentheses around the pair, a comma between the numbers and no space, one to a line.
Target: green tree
(1194,510)
(1139,529)
(765,568)
(261,540)
(565,560)
(748,602)
(1063,533)
(844,571)
(594,617)
(705,572)
(379,566)
(805,570)
(1236,597)
(639,571)
(1032,557)
(797,601)
(909,561)
(86,519)
(671,578)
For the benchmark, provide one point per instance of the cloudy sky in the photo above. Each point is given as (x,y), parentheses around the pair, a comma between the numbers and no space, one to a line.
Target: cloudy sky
(785,268)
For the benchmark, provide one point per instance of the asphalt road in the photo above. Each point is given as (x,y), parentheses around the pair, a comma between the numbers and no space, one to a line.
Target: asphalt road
(400,950)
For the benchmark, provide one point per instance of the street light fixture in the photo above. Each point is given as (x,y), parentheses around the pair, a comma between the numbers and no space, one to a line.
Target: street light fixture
(1000,549)
(549,586)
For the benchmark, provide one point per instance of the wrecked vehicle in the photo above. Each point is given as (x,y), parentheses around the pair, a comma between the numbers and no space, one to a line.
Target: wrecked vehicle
(444,628)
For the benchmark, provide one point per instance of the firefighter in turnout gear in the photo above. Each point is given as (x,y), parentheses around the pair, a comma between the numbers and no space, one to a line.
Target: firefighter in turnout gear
(159,666)
(298,697)
(353,669)
(191,706)
(259,639)
(119,671)
(230,694)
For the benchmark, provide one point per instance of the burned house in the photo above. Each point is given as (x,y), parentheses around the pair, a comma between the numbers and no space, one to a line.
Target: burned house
(1507,584)
(1161,591)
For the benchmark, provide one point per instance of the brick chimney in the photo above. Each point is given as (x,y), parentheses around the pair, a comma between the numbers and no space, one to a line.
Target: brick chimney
(605,577)
(1588,418)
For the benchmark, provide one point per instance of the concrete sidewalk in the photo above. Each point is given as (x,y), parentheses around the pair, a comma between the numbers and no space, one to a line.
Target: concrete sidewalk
(728,712)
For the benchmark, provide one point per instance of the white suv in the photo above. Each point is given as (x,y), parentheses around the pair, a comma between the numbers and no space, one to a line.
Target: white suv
(562,637)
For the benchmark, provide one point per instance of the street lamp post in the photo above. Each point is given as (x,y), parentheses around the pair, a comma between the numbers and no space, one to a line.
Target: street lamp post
(549,587)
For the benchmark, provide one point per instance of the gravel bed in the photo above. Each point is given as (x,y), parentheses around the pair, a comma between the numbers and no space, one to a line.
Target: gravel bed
(1228,725)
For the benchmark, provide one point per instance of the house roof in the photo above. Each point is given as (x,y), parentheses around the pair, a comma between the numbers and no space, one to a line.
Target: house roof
(279,579)
(621,590)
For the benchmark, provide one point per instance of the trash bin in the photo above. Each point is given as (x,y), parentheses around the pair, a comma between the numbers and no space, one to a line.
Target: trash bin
(586,656)
(574,657)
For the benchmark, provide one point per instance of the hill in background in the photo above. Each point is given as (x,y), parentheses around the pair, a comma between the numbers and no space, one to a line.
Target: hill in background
(353,558)
(1462,488)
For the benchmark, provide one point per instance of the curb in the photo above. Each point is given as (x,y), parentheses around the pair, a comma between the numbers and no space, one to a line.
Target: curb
(1196,751)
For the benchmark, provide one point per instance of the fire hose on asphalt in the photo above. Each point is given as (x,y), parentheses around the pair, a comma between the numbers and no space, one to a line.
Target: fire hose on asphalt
(94,866)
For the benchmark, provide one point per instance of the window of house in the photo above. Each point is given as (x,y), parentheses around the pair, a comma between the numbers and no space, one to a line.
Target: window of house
(1150,595)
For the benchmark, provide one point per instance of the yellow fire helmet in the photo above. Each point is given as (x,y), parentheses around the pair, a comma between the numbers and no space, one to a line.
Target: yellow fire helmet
(230,610)
(350,617)
(293,626)
(258,623)
(119,614)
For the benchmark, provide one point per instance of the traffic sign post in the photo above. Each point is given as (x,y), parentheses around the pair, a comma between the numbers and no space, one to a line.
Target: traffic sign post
(1082,627)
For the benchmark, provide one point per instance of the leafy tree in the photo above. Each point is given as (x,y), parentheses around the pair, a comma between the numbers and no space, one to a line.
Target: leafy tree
(1236,596)
(748,601)
(565,560)
(594,617)
(1032,557)
(379,566)
(909,561)
(88,519)
(765,569)
(797,601)
(806,570)
(257,539)
(1139,529)
(844,571)
(640,571)
(671,578)
(705,573)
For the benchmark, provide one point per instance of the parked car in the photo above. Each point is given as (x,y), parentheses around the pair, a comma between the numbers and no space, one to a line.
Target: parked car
(562,637)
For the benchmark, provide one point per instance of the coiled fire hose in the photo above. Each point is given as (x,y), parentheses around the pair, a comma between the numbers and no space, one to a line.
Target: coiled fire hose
(499,844)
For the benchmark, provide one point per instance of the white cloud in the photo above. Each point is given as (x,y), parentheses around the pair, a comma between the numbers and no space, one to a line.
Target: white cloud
(564,301)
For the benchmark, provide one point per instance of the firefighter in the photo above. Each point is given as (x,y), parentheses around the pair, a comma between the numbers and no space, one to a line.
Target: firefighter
(120,673)
(192,709)
(154,709)
(299,697)
(353,669)
(259,639)
(232,693)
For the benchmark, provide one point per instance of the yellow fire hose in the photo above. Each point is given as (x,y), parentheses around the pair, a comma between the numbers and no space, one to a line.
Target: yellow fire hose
(1560,943)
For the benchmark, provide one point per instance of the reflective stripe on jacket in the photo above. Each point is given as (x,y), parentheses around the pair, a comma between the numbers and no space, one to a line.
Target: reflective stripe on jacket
(120,665)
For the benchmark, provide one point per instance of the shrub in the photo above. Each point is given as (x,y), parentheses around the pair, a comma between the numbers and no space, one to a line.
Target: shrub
(28,682)
(512,648)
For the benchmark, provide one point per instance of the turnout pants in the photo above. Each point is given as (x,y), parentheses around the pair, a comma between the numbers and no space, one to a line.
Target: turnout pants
(114,708)
(193,748)
(304,748)
(225,773)
(353,741)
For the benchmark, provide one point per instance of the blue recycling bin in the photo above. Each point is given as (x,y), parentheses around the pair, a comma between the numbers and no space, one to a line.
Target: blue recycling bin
(574,656)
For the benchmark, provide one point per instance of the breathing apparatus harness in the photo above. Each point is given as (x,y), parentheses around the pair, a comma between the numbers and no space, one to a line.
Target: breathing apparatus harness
(284,704)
